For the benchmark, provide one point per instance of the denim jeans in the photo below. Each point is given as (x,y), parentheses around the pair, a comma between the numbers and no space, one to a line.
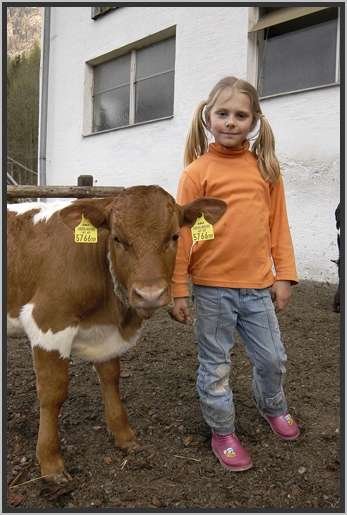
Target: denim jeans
(219,312)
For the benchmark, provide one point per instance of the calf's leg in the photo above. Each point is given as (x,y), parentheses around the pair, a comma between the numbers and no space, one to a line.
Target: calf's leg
(115,413)
(52,378)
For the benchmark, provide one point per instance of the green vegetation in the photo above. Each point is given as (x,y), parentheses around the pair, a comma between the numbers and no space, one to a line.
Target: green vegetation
(23,76)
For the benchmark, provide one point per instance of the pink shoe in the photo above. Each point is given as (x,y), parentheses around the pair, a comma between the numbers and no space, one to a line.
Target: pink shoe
(284,426)
(229,451)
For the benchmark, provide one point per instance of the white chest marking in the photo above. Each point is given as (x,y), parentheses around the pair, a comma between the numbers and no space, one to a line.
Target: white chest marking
(101,343)
(98,343)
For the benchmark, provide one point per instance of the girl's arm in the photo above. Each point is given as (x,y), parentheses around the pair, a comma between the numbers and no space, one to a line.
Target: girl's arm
(281,241)
(281,248)
(188,191)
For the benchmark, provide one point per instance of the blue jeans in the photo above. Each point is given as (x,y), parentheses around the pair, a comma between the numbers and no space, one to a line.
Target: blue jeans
(219,312)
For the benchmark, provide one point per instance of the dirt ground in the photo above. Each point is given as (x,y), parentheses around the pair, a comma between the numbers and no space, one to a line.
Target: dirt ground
(175,469)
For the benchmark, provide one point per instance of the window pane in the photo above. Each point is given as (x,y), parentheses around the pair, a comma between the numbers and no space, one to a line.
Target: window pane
(111,109)
(299,59)
(111,74)
(155,58)
(154,97)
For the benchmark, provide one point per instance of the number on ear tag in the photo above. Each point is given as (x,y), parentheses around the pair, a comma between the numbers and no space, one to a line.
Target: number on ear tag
(85,232)
(202,230)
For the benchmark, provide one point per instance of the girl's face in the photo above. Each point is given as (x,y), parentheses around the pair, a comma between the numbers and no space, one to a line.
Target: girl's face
(231,119)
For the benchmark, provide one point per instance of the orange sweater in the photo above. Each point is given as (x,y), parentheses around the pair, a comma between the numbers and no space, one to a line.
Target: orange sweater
(251,238)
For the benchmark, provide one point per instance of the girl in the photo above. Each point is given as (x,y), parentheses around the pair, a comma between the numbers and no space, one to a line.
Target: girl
(236,275)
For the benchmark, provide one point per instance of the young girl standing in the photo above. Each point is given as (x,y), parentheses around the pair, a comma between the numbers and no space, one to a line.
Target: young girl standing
(246,267)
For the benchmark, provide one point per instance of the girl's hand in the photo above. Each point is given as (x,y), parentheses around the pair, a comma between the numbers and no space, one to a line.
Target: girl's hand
(180,311)
(280,293)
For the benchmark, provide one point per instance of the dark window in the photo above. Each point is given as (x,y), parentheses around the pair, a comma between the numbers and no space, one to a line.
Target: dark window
(298,54)
(134,88)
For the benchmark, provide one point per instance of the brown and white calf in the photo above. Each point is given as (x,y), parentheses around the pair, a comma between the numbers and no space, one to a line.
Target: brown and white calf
(89,299)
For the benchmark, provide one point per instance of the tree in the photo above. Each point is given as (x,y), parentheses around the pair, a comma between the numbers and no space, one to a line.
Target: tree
(23,77)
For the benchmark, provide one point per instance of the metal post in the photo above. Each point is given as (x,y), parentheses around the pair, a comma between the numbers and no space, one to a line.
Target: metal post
(44,67)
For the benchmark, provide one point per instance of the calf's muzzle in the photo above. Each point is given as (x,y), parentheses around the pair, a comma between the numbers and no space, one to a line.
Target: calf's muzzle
(149,297)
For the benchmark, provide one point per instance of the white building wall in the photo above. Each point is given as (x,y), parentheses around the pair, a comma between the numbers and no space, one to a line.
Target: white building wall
(308,140)
(211,42)
(151,153)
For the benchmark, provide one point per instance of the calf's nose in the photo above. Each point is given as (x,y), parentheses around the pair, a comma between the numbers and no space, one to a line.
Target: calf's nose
(149,296)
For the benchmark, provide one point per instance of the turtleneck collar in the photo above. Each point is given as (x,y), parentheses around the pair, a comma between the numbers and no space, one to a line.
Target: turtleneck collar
(216,148)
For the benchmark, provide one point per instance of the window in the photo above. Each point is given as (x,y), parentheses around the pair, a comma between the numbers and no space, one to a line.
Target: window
(298,49)
(135,87)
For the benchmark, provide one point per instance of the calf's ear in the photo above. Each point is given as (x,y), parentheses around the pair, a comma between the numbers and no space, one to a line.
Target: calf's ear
(212,208)
(72,215)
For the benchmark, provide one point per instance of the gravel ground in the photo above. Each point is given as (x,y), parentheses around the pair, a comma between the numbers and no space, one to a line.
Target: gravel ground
(175,469)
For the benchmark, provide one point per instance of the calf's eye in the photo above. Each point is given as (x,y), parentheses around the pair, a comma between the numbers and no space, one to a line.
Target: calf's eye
(121,243)
(175,237)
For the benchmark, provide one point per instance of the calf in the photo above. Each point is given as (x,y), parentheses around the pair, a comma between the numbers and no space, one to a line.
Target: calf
(75,296)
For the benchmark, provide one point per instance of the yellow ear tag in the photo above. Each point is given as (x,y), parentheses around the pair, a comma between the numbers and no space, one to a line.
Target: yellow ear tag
(85,232)
(202,230)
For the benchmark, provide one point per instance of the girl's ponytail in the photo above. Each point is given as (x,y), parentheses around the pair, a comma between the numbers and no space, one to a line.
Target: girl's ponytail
(196,142)
(264,150)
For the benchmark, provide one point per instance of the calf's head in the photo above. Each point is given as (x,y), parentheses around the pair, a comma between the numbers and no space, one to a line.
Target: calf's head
(143,224)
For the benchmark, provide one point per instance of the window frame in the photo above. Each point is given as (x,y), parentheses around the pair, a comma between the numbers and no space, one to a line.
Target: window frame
(88,118)
(99,11)
(256,40)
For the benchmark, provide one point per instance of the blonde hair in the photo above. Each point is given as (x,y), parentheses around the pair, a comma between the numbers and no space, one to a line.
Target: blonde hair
(263,147)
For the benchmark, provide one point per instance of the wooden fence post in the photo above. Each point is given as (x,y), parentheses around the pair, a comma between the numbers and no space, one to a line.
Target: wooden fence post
(85,180)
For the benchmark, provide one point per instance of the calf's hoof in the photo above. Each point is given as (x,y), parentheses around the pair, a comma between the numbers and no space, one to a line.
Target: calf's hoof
(126,439)
(133,447)
(59,478)
(129,446)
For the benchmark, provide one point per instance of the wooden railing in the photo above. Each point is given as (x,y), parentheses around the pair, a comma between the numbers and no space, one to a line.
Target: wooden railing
(84,189)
